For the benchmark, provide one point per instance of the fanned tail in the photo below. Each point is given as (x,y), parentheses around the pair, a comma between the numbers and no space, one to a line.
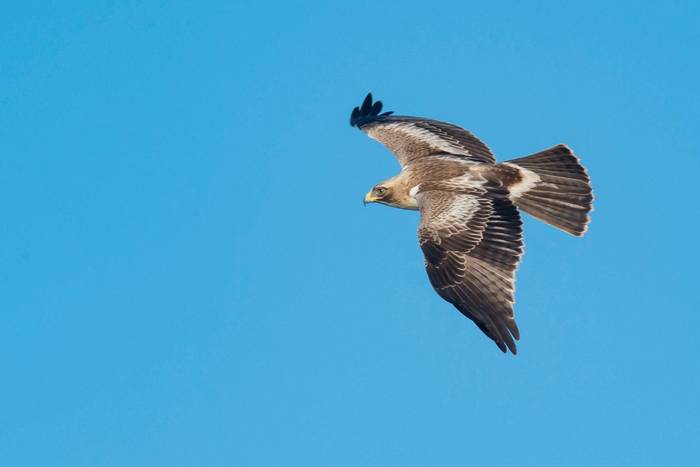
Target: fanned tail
(555,188)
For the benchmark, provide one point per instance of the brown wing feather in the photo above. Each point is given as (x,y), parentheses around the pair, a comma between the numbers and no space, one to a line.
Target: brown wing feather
(452,221)
(410,138)
(478,281)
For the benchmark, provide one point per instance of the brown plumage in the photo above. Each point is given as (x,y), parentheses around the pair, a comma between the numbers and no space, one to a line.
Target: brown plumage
(470,229)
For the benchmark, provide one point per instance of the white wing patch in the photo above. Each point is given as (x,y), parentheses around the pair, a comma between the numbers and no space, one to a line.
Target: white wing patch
(452,212)
(529,180)
(463,208)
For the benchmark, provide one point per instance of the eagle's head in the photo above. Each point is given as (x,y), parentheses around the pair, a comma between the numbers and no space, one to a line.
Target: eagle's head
(390,194)
(379,194)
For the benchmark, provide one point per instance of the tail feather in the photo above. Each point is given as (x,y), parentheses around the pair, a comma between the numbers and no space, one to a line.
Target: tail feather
(554,187)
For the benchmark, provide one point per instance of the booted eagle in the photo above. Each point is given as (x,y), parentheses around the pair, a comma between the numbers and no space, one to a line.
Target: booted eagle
(470,229)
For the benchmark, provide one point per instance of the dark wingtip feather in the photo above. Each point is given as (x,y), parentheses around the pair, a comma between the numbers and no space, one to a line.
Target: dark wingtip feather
(354,115)
(513,328)
(507,339)
(366,104)
(511,346)
(367,112)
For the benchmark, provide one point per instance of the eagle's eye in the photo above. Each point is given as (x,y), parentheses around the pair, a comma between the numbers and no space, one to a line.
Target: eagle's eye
(380,190)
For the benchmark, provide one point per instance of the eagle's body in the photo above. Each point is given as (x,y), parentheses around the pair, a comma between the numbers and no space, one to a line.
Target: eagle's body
(470,229)
(449,170)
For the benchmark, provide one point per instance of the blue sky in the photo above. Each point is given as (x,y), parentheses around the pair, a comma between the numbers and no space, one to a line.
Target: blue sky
(188,276)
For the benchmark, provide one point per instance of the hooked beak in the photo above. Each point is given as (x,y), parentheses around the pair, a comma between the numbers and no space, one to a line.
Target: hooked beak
(369,198)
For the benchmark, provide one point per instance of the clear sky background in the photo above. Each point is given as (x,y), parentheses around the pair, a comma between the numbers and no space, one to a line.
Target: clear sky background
(188,276)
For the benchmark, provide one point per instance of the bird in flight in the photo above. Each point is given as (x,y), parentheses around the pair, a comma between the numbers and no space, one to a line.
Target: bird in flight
(470,229)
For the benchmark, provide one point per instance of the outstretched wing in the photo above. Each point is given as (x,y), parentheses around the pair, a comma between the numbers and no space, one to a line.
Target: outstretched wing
(472,243)
(410,138)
